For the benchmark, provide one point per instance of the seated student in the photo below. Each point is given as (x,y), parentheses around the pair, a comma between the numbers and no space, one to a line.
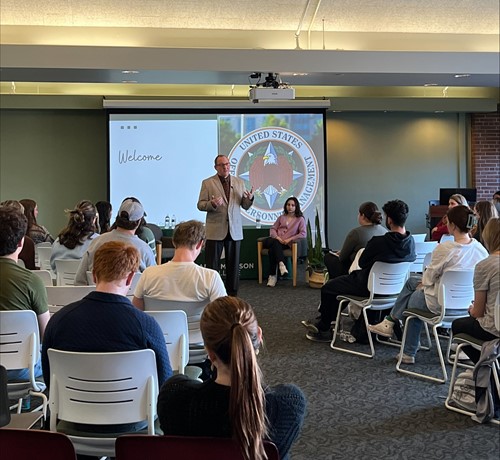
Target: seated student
(395,246)
(128,220)
(484,211)
(496,201)
(481,322)
(20,289)
(104,210)
(369,219)
(289,227)
(38,233)
(27,254)
(422,292)
(76,237)
(441,228)
(181,278)
(235,403)
(106,321)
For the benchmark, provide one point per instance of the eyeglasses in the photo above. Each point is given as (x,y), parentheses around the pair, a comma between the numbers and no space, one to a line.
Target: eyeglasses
(222,164)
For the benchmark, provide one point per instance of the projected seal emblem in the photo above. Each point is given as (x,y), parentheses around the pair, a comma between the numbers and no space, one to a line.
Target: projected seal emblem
(277,163)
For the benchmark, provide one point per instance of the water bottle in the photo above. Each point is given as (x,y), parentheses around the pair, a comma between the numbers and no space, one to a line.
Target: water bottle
(167,221)
(257,222)
(173,222)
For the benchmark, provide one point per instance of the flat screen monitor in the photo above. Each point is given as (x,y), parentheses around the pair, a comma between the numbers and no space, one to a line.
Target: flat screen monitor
(470,194)
(162,157)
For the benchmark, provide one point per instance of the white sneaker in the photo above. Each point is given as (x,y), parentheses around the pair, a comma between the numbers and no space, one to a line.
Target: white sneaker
(407,359)
(282,268)
(272,280)
(385,328)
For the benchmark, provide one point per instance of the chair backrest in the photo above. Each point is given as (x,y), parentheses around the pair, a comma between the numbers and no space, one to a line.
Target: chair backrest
(419,237)
(59,296)
(422,249)
(45,276)
(133,284)
(388,279)
(36,444)
(44,252)
(103,388)
(456,292)
(193,312)
(19,341)
(174,326)
(157,231)
(446,238)
(66,271)
(4,398)
(132,447)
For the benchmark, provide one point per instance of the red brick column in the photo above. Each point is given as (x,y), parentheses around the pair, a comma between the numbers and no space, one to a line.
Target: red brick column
(485,149)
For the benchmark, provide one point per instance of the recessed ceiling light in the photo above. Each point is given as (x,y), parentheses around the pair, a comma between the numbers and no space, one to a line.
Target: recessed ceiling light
(299,74)
(431,84)
(128,72)
(438,111)
(129,81)
(462,75)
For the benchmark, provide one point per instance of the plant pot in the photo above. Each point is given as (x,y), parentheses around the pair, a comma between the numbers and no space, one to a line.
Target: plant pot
(316,279)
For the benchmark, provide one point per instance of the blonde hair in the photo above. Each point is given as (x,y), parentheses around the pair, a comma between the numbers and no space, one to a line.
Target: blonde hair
(460,199)
(115,260)
(491,235)
(229,329)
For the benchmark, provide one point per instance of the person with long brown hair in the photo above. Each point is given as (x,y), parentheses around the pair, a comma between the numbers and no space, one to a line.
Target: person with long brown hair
(484,211)
(76,237)
(234,403)
(38,233)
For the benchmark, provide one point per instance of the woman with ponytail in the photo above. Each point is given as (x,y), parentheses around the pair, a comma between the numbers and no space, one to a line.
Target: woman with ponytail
(234,402)
(75,238)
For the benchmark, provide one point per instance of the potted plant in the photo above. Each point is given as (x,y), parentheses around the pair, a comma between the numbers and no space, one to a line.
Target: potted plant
(316,269)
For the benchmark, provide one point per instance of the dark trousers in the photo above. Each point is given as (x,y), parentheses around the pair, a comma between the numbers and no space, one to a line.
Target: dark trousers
(213,251)
(335,266)
(275,253)
(346,284)
(471,326)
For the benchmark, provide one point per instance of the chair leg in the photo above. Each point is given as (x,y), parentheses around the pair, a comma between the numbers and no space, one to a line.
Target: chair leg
(346,350)
(440,354)
(259,260)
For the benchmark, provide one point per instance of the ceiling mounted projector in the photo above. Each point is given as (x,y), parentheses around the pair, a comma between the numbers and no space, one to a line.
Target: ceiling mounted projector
(271,89)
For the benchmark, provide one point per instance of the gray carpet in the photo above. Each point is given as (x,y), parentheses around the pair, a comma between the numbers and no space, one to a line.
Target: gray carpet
(359,408)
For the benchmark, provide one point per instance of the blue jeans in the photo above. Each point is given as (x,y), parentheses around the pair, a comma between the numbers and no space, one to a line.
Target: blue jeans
(23,374)
(404,301)
(414,327)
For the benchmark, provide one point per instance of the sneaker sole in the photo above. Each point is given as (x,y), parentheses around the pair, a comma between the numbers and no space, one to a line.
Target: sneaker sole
(383,334)
(317,339)
(310,327)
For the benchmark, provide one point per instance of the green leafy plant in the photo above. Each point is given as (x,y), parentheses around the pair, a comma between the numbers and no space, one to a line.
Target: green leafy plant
(315,252)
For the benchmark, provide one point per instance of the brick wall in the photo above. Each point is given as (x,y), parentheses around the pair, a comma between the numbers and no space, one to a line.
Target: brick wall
(485,149)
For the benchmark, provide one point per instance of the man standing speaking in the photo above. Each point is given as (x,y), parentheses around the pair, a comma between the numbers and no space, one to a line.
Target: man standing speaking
(221,196)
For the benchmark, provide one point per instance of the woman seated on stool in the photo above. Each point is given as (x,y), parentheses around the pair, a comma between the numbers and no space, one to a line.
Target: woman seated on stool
(289,227)
(369,219)
(481,322)
(234,403)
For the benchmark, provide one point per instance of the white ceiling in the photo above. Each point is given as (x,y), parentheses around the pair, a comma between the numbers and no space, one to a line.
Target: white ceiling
(177,45)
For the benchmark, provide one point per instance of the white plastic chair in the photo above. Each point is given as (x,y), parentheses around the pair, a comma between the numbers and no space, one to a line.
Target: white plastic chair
(422,249)
(130,293)
(419,237)
(41,245)
(60,296)
(466,340)
(384,284)
(44,253)
(455,294)
(66,271)
(102,389)
(45,276)
(20,349)
(174,326)
(193,310)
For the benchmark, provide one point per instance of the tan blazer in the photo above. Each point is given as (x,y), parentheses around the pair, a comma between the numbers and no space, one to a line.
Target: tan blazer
(226,216)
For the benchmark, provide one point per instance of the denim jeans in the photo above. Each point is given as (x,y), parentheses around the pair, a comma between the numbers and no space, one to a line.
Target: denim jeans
(23,374)
(414,327)
(403,301)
